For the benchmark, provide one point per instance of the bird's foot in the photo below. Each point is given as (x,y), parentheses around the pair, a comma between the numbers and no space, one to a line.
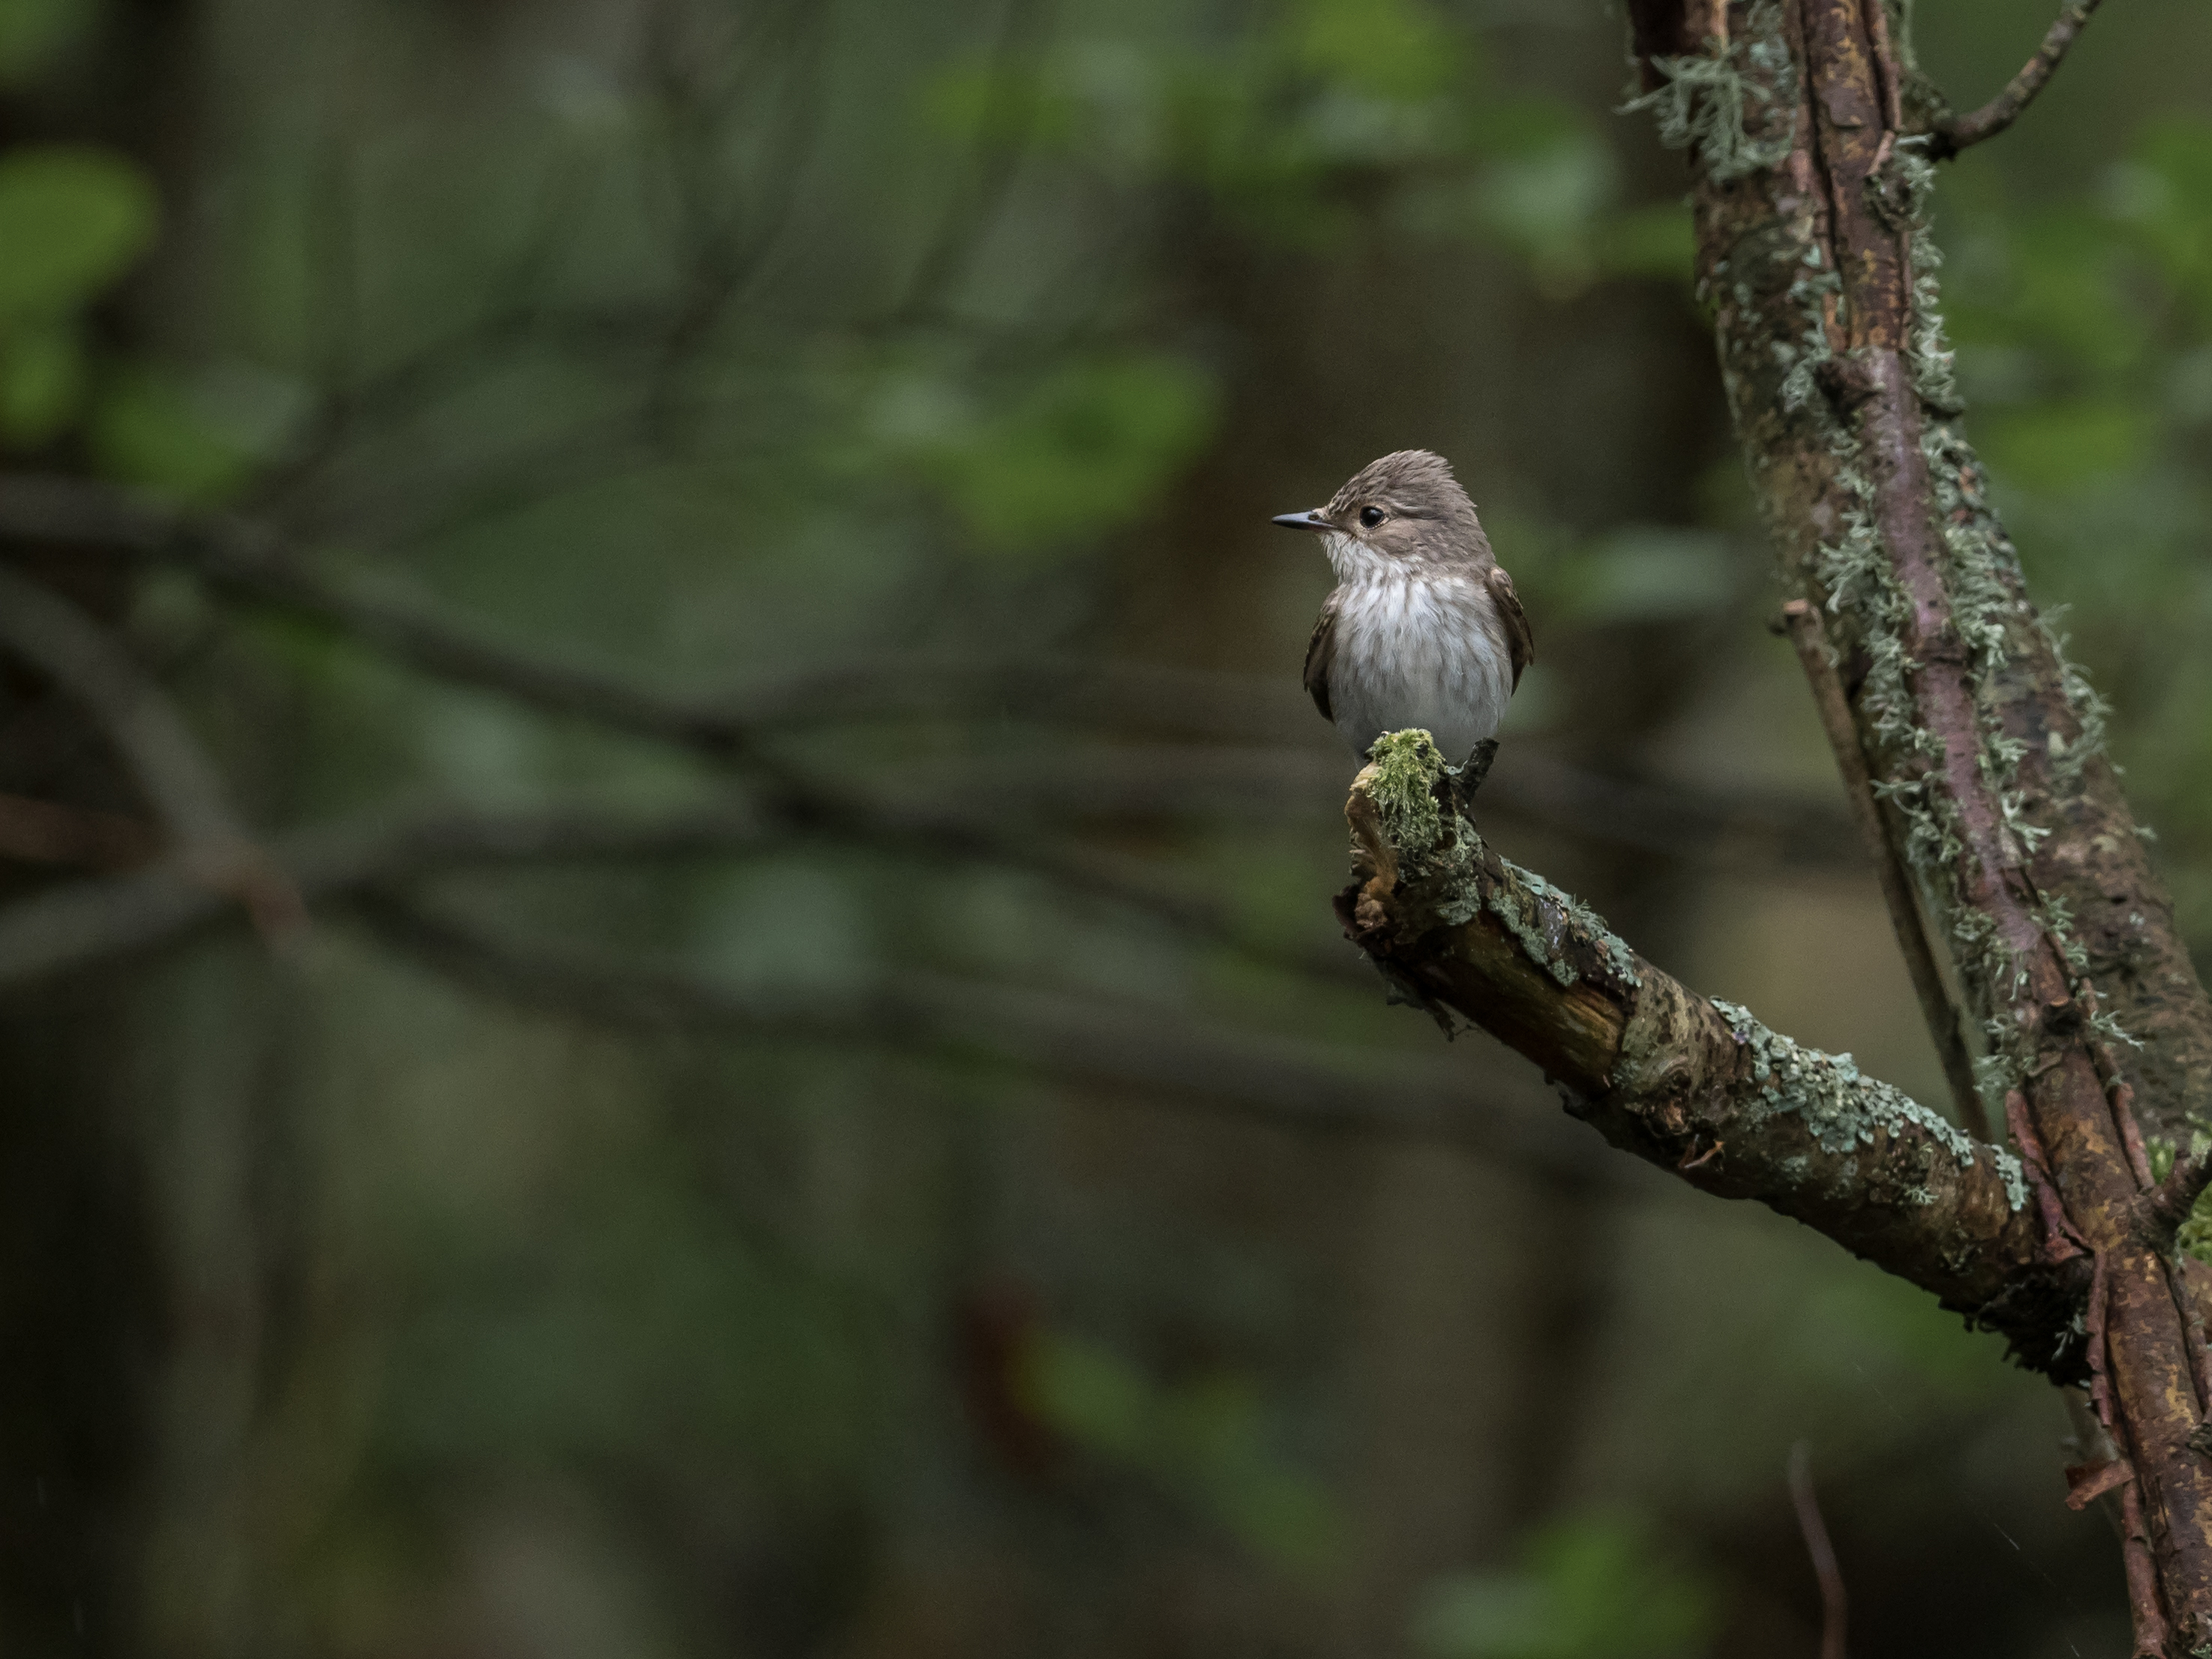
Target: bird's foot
(1461,781)
(1476,767)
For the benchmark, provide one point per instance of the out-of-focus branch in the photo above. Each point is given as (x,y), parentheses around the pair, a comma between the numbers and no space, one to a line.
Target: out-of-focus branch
(247,564)
(1151,1052)
(49,832)
(180,782)
(977,199)
(1302,1084)
(69,927)
(41,628)
(1700,1088)
(242,562)
(1835,1603)
(2002,111)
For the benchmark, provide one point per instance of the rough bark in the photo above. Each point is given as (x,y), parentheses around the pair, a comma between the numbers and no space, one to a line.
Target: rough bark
(1815,257)
(2005,821)
(1819,273)
(1697,1087)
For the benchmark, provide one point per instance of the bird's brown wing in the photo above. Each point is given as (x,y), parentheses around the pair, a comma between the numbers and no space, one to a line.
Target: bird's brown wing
(1520,643)
(1321,656)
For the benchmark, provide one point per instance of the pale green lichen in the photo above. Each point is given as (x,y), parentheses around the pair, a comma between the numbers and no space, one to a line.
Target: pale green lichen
(1705,103)
(1846,1110)
(1901,194)
(1521,912)
(1416,794)
(1981,571)
(1802,362)
(2069,759)
(1407,765)
(1618,956)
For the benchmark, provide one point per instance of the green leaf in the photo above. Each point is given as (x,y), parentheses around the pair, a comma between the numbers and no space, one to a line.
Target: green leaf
(72,220)
(147,429)
(42,383)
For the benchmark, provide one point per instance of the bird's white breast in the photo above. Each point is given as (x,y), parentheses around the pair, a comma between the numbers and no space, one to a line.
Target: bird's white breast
(1415,648)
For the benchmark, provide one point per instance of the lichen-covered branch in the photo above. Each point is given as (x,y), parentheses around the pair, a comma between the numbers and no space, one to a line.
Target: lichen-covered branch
(1819,270)
(1802,619)
(1696,1086)
(1983,744)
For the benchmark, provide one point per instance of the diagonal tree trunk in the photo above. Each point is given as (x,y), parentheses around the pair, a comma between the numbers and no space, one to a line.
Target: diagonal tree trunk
(2014,849)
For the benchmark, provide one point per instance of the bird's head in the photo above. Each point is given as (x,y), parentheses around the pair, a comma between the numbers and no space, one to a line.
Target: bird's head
(1404,509)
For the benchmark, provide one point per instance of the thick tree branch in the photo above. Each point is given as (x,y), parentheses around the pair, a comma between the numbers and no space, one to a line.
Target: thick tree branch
(1698,1088)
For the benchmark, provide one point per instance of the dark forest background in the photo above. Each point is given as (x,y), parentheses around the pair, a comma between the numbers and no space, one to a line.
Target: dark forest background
(923,1175)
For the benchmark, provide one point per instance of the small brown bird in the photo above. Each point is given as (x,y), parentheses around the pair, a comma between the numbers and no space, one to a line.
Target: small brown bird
(1423,628)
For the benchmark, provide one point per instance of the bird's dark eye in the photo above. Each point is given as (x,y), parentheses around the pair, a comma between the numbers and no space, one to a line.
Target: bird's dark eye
(1372,516)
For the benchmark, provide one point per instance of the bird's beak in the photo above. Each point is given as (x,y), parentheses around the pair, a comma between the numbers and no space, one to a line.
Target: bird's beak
(1310,520)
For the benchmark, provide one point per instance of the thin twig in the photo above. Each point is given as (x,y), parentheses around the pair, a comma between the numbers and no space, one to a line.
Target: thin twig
(1834,1604)
(1805,633)
(2060,1239)
(180,782)
(2192,1322)
(2002,111)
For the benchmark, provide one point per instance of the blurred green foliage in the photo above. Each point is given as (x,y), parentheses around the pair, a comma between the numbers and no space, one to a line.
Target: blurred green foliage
(645,1315)
(1085,451)
(72,220)
(1205,1440)
(1592,1587)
